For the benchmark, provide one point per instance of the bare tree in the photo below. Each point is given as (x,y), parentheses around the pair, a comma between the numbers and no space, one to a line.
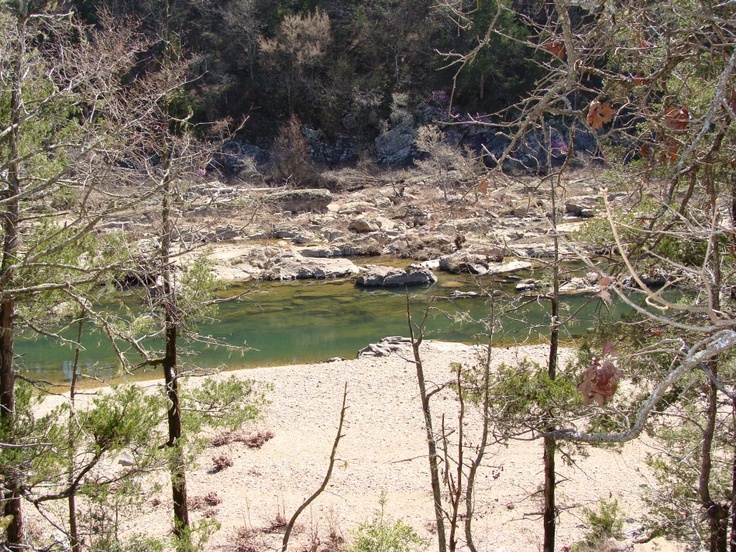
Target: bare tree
(434,458)
(298,48)
(61,96)
(652,83)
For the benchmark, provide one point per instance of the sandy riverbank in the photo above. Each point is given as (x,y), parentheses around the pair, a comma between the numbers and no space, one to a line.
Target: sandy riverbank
(383,450)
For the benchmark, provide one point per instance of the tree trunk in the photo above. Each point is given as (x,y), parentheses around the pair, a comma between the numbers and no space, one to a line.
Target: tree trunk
(169,363)
(431,442)
(11,218)
(718,514)
(178,471)
(733,476)
(550,485)
(550,443)
(75,541)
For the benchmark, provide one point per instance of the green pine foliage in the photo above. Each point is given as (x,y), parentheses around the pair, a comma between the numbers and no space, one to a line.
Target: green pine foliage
(601,524)
(383,534)
(225,403)
(524,396)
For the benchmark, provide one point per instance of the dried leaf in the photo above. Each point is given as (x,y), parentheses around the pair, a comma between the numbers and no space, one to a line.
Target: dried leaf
(556,47)
(677,119)
(600,113)
(638,79)
(605,296)
(483,188)
(601,378)
(609,349)
(671,148)
(603,292)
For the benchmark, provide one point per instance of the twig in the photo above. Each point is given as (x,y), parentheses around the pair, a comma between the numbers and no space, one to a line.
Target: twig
(323,486)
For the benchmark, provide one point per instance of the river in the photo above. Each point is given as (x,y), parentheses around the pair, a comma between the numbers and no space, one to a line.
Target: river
(312,321)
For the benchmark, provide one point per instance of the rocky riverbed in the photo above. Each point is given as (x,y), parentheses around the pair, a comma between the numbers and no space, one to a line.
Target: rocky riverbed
(252,232)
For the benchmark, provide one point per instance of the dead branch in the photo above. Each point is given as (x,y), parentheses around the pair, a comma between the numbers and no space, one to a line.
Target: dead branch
(328,475)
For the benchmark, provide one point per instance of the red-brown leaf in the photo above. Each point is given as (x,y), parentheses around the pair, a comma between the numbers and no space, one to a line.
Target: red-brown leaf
(600,113)
(609,349)
(677,119)
(601,378)
(556,47)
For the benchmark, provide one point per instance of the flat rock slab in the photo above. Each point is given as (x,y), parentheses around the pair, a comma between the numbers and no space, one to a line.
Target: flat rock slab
(297,267)
(387,276)
(301,201)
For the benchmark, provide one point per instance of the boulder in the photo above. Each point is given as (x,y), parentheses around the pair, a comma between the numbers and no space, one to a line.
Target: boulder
(326,252)
(587,213)
(298,267)
(462,262)
(387,276)
(414,216)
(578,285)
(240,158)
(364,226)
(468,262)
(510,266)
(394,147)
(530,153)
(301,201)
(468,225)
(582,206)
(421,247)
(457,294)
(385,347)
(335,152)
(527,284)
(542,249)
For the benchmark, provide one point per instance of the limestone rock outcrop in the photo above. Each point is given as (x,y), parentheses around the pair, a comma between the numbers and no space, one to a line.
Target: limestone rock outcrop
(387,276)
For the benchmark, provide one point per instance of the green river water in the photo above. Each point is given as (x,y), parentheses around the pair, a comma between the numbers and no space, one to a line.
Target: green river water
(310,321)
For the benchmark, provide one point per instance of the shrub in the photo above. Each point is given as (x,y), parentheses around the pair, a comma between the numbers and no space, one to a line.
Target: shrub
(202,502)
(221,462)
(382,534)
(603,524)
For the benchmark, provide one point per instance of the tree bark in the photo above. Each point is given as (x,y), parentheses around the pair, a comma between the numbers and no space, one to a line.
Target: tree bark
(169,363)
(733,476)
(550,484)
(550,443)
(75,541)
(178,471)
(718,514)
(431,442)
(11,218)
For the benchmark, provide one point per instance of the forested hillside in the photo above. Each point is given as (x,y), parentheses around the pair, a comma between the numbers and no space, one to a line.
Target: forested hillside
(334,64)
